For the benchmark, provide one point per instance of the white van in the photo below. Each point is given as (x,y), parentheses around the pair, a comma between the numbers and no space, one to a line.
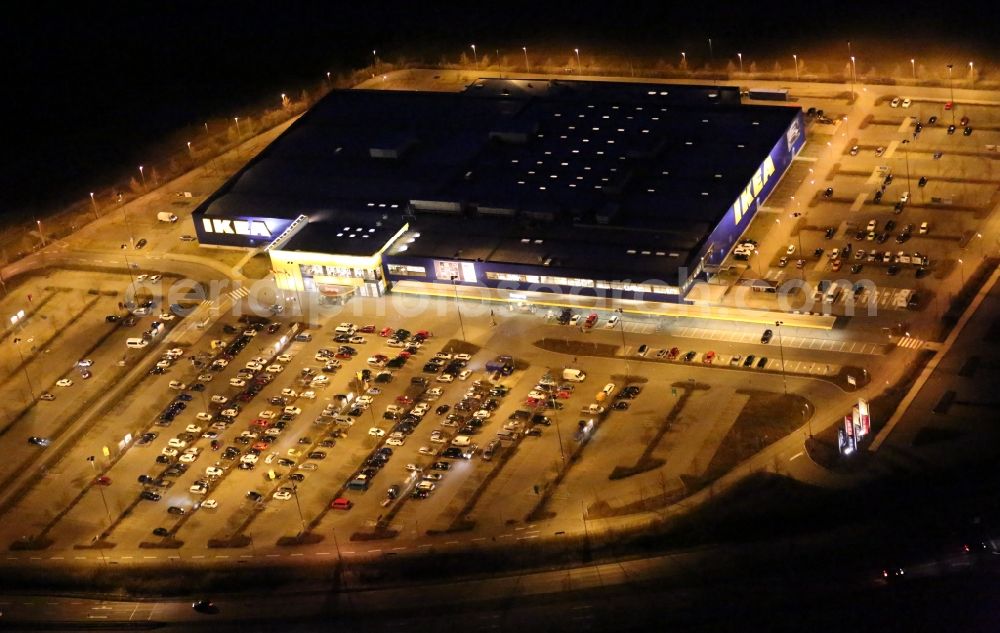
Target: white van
(574,375)
(135,343)
(166,216)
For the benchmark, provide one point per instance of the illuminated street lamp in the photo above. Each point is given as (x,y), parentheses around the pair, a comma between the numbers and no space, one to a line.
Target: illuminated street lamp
(951,87)
(458,305)
(374,61)
(781,349)
(24,366)
(711,55)
(93,203)
(237,119)
(684,58)
(972,74)
(853,76)
(475,56)
(962,270)
(142,174)
(906,157)
(913,67)
(527,68)
(621,322)
(579,69)
(190,151)
(795,59)
(740,55)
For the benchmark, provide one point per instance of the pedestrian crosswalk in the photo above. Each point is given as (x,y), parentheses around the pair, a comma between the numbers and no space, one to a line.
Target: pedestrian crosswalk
(910,343)
(239,293)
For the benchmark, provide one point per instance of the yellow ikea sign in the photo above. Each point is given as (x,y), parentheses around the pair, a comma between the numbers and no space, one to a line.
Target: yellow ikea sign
(753,188)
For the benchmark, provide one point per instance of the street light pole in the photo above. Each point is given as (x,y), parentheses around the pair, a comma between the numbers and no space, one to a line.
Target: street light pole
(795,59)
(972,75)
(853,71)
(621,323)
(24,367)
(913,66)
(142,174)
(475,56)
(740,55)
(579,68)
(93,464)
(684,58)
(302,519)
(951,87)
(238,133)
(458,305)
(711,54)
(962,270)
(781,349)
(906,157)
(93,202)
(527,68)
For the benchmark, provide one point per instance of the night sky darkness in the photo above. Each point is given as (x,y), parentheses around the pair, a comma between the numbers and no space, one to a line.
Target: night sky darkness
(94,87)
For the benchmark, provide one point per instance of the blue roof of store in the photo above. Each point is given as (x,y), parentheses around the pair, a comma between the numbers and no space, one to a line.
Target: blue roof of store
(591,169)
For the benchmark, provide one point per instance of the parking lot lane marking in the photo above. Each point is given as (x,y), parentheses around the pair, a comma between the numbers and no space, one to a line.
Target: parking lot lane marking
(79,558)
(56,558)
(374,551)
(98,617)
(198,556)
(396,549)
(222,555)
(524,538)
(795,456)
(246,555)
(298,554)
(322,553)
(273,555)
(150,557)
(481,538)
(451,542)
(506,535)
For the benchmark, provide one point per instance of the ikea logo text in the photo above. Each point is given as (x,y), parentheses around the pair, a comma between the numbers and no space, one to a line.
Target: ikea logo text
(252,228)
(753,189)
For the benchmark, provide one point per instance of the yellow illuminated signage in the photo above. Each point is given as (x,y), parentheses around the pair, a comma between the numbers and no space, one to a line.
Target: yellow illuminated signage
(753,189)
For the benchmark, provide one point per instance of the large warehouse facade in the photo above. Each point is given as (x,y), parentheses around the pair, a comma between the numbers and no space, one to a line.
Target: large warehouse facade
(562,187)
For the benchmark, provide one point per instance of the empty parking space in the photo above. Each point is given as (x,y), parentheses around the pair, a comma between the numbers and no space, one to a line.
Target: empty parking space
(799,342)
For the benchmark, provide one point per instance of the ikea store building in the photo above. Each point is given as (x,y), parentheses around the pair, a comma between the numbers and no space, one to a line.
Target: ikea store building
(512,187)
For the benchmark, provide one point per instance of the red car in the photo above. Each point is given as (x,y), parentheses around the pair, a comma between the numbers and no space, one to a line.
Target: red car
(708,358)
(591,320)
(261,422)
(103,480)
(424,334)
(368,329)
(343,356)
(404,399)
(386,332)
(341,503)
(674,352)
(948,105)
(261,445)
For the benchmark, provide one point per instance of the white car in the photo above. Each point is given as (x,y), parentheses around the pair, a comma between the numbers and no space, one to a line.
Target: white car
(169,452)
(205,377)
(275,369)
(204,417)
(395,343)
(438,439)
(465,357)
(214,471)
(237,382)
(220,425)
(894,103)
(464,374)
(435,391)
(443,356)
(790,250)
(249,458)
(375,361)
(209,504)
(364,401)
(358,340)
(292,410)
(188,458)
(166,363)
(176,442)
(289,393)
(140,312)
(376,432)
(445,378)
(139,278)
(267,414)
(294,452)
(229,413)
(64,382)
(308,395)
(283,495)
(175,352)
(612,321)
(166,316)
(482,414)
(86,362)
(252,366)
(194,429)
(270,458)
(907,102)
(413,468)
(538,395)
(220,399)
(284,358)
(319,380)
(155,278)
(198,489)
(219,363)
(425,485)
(426,450)
(395,441)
